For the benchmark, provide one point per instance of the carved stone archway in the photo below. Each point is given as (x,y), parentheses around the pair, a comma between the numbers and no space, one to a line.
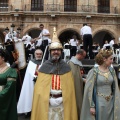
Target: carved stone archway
(66,34)
(101,34)
(33,32)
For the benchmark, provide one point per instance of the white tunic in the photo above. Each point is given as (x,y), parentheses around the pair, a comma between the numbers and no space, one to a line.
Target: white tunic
(26,96)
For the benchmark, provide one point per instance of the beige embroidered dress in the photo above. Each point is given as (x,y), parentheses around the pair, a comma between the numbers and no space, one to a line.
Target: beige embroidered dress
(107,98)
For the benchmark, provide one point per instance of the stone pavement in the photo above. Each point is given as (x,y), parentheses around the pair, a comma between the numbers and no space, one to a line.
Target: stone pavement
(22,117)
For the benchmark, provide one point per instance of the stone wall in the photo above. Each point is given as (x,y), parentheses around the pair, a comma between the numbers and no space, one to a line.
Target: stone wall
(62,21)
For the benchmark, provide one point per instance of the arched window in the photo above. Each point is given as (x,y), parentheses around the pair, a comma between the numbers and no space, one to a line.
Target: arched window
(37,5)
(103,6)
(3,5)
(70,5)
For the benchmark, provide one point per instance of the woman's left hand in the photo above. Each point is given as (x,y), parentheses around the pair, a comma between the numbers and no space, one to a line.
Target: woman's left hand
(92,111)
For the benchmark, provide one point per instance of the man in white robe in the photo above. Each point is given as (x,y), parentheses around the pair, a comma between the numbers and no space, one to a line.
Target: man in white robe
(25,100)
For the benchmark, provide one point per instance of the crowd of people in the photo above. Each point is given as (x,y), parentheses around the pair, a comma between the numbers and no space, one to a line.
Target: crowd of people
(53,88)
(70,46)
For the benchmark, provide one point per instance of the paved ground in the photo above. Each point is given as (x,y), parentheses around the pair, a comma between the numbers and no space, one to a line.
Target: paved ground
(22,117)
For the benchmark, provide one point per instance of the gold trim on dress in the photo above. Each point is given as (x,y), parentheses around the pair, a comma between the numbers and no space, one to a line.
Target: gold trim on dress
(4,70)
(9,79)
(1,87)
(107,97)
(106,75)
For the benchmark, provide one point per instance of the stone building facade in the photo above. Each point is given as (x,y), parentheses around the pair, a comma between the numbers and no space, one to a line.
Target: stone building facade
(67,16)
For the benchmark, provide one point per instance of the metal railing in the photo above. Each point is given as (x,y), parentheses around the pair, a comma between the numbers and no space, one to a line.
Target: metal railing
(62,8)
(97,9)
(52,7)
(69,8)
(5,7)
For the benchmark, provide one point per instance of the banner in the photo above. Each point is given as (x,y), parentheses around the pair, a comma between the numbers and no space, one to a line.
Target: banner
(21,51)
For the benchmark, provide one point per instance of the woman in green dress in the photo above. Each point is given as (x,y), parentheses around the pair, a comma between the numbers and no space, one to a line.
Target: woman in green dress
(101,96)
(8,107)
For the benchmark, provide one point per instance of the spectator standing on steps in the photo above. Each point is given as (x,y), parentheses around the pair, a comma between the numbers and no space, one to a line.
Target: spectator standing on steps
(86,33)
(73,42)
(43,38)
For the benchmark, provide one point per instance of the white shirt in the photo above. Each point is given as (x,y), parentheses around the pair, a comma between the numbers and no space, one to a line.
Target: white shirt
(49,41)
(85,30)
(27,39)
(7,37)
(104,46)
(32,46)
(16,39)
(96,50)
(39,43)
(111,43)
(73,42)
(44,32)
(55,101)
(66,44)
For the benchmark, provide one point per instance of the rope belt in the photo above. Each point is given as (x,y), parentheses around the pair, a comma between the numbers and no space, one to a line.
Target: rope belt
(107,98)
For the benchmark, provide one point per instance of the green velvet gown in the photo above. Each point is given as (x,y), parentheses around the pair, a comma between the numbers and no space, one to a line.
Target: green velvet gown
(8,105)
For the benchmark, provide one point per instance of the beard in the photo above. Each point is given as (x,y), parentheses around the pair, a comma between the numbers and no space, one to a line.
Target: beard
(54,58)
(38,58)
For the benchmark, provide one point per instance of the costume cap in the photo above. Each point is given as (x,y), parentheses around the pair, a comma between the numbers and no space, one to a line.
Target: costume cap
(55,41)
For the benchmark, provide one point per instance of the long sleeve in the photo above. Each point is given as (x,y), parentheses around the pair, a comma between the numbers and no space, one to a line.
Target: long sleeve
(88,100)
(90,80)
(8,107)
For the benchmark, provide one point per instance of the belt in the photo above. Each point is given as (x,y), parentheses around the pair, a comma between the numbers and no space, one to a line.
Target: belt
(55,95)
(107,97)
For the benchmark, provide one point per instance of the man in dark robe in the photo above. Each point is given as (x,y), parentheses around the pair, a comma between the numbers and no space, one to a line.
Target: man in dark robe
(76,67)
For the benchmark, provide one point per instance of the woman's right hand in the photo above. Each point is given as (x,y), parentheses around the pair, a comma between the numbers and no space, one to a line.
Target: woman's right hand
(92,111)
